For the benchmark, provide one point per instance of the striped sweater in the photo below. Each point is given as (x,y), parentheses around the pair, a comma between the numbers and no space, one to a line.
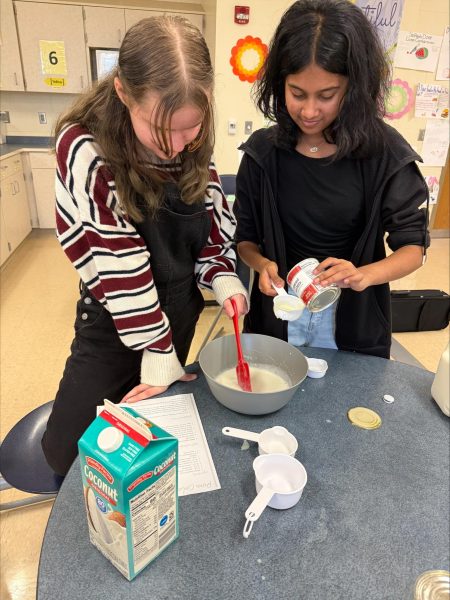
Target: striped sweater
(113,260)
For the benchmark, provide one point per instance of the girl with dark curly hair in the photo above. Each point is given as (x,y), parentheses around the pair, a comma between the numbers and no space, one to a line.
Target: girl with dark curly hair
(329,180)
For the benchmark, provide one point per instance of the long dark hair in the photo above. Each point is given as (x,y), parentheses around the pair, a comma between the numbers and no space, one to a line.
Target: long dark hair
(167,56)
(336,36)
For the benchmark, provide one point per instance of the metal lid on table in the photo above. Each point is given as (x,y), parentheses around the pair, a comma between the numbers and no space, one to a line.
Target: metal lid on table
(364,417)
(433,585)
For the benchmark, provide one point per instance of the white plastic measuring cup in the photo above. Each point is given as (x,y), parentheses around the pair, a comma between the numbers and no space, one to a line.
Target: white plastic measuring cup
(280,480)
(286,306)
(275,440)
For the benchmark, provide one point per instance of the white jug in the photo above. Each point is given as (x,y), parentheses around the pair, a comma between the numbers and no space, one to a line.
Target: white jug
(440,389)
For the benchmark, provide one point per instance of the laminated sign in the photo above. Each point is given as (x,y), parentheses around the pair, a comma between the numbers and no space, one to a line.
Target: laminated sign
(53,58)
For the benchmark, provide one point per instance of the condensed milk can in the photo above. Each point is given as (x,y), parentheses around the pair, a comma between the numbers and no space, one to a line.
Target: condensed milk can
(315,296)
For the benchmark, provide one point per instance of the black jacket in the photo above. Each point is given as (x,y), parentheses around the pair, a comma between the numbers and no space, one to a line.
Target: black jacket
(393,191)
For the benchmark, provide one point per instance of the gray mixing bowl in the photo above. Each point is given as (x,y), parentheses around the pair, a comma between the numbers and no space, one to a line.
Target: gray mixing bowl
(220,354)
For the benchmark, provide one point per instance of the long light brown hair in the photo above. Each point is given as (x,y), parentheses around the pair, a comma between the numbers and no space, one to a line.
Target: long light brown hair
(167,56)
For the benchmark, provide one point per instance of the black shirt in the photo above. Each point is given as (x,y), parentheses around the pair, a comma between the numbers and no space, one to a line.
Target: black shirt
(321,206)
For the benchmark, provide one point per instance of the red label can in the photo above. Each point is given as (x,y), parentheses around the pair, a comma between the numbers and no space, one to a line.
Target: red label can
(315,296)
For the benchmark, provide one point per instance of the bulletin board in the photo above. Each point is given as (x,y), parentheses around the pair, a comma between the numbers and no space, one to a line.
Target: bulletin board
(416,39)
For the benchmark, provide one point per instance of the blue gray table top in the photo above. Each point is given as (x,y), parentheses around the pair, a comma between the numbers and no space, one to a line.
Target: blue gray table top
(373,516)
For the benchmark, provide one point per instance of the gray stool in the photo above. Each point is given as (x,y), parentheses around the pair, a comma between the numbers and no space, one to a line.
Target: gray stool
(22,461)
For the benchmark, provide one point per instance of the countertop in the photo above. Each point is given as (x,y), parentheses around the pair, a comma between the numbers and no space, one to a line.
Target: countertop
(16,144)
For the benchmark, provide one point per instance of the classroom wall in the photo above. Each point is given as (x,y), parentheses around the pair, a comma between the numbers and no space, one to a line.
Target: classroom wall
(233,97)
(23,110)
(425,16)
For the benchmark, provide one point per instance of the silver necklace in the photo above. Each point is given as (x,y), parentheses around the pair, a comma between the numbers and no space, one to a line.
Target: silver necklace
(315,147)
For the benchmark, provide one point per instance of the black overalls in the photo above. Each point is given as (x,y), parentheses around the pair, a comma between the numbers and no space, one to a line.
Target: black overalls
(100,365)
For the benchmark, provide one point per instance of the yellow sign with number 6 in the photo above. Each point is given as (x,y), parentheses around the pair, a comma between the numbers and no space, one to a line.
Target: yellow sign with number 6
(53,57)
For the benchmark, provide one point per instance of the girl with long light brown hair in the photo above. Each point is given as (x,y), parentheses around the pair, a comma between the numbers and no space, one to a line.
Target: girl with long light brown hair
(142,217)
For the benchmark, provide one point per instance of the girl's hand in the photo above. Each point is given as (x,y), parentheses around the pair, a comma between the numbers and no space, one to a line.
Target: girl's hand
(268,274)
(342,273)
(241,304)
(144,391)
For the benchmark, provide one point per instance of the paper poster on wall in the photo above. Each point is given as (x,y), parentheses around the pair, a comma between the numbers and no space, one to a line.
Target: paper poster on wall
(443,69)
(53,57)
(435,143)
(431,101)
(386,16)
(418,51)
(400,100)
(247,58)
(433,187)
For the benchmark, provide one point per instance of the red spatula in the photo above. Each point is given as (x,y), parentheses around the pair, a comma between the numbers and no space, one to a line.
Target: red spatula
(242,368)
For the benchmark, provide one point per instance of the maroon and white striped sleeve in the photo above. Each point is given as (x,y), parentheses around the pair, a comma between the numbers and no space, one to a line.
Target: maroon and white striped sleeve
(109,255)
(216,264)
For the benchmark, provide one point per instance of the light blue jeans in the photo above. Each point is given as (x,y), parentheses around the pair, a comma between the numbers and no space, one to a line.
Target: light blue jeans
(314,329)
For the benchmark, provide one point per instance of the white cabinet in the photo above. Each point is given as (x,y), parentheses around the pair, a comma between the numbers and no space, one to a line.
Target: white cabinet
(45,48)
(4,245)
(11,78)
(43,172)
(195,19)
(15,214)
(132,16)
(52,46)
(104,27)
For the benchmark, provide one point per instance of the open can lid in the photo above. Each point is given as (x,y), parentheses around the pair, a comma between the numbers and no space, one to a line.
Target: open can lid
(432,585)
(324,298)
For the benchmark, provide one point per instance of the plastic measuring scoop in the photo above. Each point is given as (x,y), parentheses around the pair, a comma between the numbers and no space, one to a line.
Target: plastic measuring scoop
(279,481)
(242,368)
(275,440)
(286,306)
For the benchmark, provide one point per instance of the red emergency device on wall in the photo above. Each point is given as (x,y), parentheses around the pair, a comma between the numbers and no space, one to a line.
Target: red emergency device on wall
(241,14)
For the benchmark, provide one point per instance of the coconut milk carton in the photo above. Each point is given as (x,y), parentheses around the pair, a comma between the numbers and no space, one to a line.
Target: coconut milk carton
(130,482)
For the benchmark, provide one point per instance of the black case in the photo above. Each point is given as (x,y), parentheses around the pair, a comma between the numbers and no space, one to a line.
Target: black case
(419,310)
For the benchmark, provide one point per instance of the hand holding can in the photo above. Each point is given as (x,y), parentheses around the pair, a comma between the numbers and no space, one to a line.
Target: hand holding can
(315,296)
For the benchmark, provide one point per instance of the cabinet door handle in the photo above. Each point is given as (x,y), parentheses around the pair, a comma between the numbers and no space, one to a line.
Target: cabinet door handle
(15,78)
(81,81)
(119,36)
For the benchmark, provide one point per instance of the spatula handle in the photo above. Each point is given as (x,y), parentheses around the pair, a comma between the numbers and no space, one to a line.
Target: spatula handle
(236,330)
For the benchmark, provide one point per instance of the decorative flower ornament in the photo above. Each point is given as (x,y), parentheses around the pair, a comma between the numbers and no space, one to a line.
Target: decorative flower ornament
(400,99)
(247,58)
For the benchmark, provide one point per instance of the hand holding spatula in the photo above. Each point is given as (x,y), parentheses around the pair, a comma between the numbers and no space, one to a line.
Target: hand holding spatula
(242,368)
